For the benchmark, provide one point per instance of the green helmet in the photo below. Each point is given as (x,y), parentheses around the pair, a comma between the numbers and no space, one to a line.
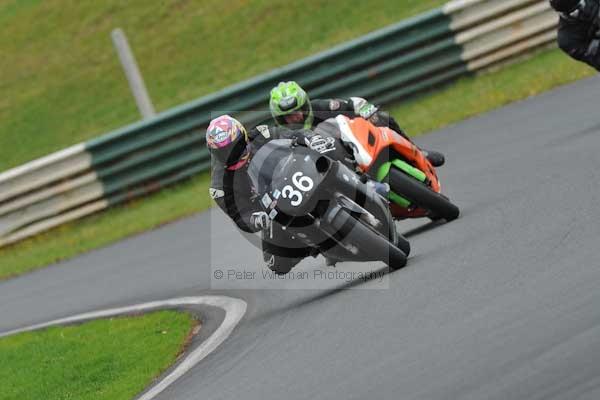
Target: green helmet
(288,98)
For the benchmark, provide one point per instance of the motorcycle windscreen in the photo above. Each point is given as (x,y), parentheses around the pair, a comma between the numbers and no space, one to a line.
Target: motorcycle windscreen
(270,158)
(287,174)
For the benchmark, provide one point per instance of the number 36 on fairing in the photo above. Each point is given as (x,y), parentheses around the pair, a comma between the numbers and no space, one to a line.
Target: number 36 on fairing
(302,183)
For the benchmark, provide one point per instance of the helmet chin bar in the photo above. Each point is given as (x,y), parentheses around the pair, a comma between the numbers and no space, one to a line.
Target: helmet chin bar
(238,156)
(232,154)
(239,164)
(298,115)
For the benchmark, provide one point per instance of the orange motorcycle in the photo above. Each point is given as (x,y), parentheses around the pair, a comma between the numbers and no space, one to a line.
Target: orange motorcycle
(385,156)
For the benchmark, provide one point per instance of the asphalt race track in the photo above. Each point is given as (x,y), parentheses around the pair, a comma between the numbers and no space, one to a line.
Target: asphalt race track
(503,303)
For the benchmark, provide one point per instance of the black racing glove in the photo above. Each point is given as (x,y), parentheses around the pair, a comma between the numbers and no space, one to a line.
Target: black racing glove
(315,142)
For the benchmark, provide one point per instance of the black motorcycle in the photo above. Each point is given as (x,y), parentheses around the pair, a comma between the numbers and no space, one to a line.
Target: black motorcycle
(325,205)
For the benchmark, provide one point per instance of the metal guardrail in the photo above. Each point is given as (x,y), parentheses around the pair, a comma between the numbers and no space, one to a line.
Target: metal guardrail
(386,65)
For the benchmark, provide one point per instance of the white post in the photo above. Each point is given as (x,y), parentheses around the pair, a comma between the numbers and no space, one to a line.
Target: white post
(132,72)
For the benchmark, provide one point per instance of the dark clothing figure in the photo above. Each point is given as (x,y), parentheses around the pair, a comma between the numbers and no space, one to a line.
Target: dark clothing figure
(353,107)
(579,33)
(358,107)
(234,194)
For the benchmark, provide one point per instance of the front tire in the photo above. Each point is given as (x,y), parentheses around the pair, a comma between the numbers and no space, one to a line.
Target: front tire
(422,195)
(403,244)
(372,244)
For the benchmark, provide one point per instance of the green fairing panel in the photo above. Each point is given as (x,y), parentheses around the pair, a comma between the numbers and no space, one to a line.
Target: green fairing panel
(401,201)
(384,170)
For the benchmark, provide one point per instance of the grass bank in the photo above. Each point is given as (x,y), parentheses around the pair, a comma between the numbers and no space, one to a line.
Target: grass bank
(467,97)
(61,81)
(106,359)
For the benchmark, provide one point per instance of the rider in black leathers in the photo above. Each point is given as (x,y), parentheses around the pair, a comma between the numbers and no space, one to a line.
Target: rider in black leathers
(231,150)
(579,29)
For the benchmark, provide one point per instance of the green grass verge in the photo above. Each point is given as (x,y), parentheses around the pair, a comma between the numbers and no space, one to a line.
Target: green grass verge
(61,81)
(467,97)
(105,359)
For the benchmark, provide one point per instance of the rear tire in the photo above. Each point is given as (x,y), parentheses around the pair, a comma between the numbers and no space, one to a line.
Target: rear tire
(422,195)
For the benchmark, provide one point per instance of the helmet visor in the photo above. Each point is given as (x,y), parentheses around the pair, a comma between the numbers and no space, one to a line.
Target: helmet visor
(296,117)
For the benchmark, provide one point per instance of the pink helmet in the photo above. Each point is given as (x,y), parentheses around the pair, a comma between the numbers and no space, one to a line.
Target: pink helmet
(227,141)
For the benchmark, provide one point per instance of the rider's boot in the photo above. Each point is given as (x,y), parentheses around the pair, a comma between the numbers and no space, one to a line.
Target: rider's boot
(435,157)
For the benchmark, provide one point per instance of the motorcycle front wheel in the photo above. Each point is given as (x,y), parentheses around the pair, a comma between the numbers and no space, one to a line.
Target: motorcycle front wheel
(371,243)
(421,195)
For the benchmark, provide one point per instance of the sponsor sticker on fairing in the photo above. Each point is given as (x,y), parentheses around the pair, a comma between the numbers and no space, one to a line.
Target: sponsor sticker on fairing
(266,200)
(264,130)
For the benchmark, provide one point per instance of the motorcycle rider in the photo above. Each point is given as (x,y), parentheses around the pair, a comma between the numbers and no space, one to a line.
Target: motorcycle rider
(579,29)
(290,106)
(231,148)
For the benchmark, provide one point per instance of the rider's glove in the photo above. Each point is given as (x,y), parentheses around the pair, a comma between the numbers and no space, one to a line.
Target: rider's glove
(260,220)
(363,108)
(321,144)
(376,120)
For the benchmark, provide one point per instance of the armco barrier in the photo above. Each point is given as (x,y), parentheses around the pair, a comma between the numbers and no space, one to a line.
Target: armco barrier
(386,65)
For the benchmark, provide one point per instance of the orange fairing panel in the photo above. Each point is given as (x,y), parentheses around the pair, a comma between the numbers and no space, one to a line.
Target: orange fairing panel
(377,139)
